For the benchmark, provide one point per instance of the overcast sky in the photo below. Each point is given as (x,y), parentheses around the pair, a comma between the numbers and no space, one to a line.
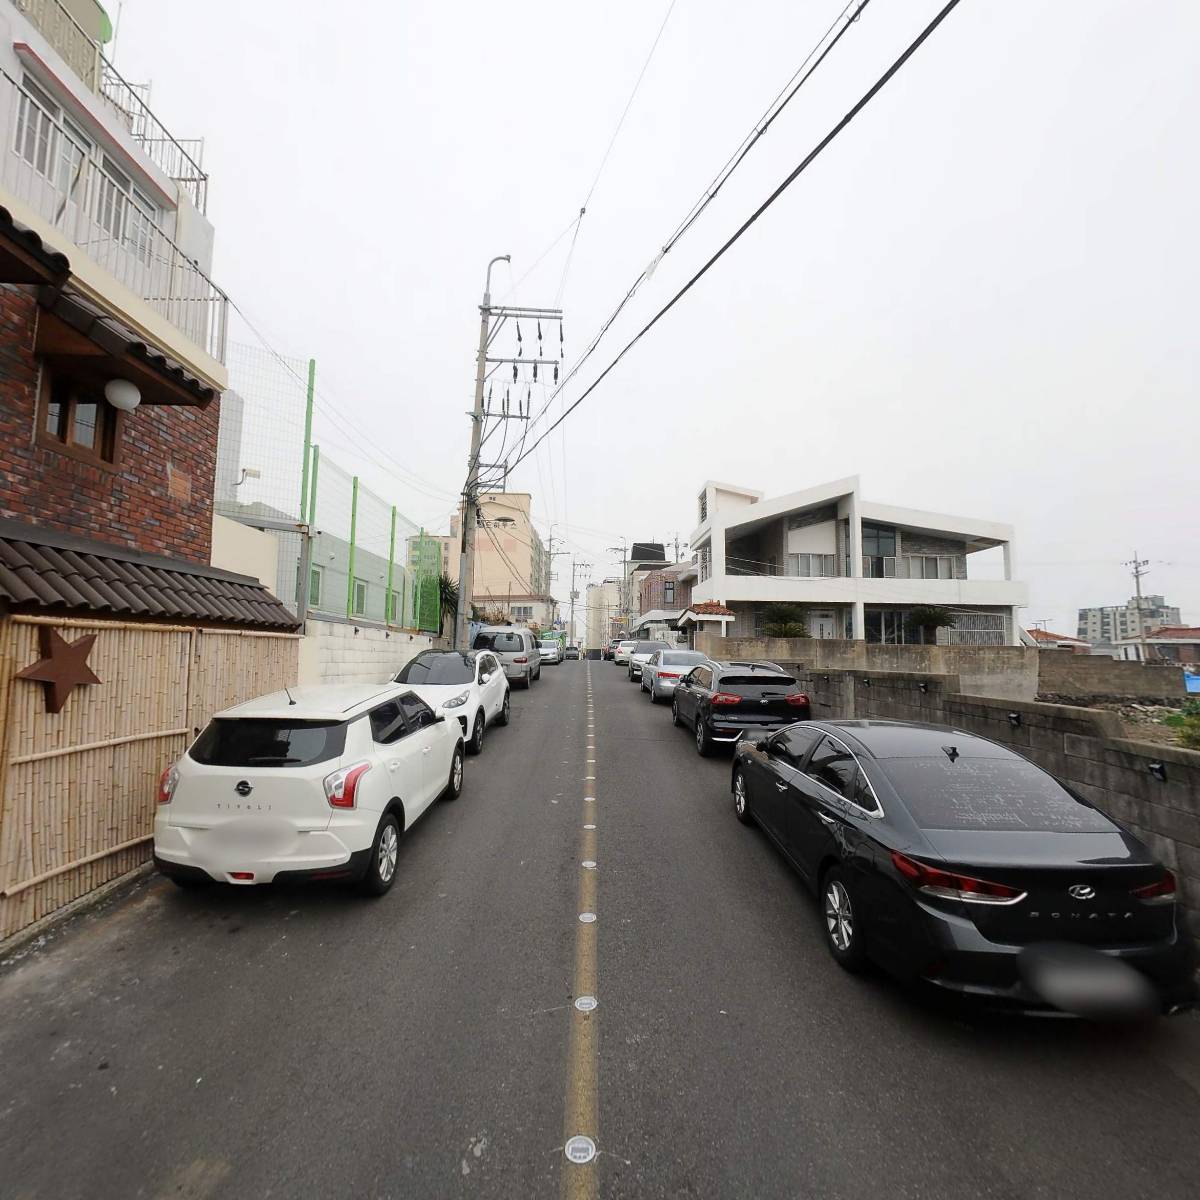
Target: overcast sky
(981,298)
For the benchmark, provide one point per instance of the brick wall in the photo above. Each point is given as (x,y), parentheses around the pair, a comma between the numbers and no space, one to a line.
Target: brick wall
(338,652)
(652,592)
(158,501)
(1083,747)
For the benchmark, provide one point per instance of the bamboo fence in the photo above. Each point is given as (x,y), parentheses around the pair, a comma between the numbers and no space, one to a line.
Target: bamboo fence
(77,788)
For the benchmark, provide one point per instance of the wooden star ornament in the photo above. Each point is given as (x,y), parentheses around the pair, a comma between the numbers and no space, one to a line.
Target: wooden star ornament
(63,665)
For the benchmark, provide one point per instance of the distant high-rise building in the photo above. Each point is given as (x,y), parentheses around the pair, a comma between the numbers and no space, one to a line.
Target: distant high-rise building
(1105,626)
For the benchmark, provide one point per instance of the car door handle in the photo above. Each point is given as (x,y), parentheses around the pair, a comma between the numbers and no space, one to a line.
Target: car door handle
(826,818)
(782,787)
(426,749)
(393,766)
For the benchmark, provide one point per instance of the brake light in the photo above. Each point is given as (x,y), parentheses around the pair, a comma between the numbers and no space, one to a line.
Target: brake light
(668,674)
(799,700)
(166,784)
(949,885)
(522,659)
(1161,891)
(726,698)
(241,874)
(342,784)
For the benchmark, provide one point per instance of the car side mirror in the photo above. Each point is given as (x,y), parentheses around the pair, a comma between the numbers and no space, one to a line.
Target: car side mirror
(762,743)
(485,677)
(439,718)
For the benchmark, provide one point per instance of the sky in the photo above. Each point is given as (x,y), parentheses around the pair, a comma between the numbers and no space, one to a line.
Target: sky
(980,298)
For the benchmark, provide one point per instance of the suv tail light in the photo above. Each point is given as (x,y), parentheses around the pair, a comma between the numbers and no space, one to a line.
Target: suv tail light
(341,785)
(949,885)
(799,700)
(1161,891)
(523,659)
(166,784)
(726,698)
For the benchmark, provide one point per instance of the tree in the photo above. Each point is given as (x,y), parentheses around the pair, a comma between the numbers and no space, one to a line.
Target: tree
(785,621)
(927,619)
(447,598)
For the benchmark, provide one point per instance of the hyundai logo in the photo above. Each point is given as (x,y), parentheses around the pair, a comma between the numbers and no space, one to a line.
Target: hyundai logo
(1082,891)
(244,787)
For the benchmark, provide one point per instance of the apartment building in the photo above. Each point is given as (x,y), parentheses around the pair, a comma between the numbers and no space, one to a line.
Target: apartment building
(1106,627)
(603,613)
(512,568)
(857,568)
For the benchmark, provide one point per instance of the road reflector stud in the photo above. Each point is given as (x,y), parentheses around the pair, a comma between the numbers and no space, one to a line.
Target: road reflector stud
(586,1003)
(580,1150)
(587,918)
(589,827)
(588,864)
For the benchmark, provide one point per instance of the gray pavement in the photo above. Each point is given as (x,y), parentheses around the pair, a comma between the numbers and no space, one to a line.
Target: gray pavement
(279,1042)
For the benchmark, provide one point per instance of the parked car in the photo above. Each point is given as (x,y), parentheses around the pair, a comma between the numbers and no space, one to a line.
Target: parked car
(471,687)
(516,648)
(551,651)
(610,649)
(665,668)
(948,858)
(622,651)
(721,701)
(640,655)
(315,783)
(572,651)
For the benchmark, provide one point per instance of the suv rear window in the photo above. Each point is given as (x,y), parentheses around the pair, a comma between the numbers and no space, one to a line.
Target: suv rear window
(502,643)
(1004,794)
(249,742)
(435,668)
(758,687)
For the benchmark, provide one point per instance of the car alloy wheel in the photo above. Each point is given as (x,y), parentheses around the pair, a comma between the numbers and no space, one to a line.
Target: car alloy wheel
(741,802)
(839,916)
(385,851)
(454,785)
(506,711)
(477,734)
(675,713)
(702,743)
(389,849)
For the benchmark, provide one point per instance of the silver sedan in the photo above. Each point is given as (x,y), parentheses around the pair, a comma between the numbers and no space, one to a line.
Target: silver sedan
(663,671)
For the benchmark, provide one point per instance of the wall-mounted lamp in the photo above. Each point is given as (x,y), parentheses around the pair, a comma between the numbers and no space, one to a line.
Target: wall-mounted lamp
(248,473)
(866,683)
(1014,719)
(923,686)
(122,394)
(1158,771)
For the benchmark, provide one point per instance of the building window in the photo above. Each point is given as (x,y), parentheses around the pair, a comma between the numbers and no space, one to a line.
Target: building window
(124,212)
(879,551)
(703,507)
(930,566)
(80,422)
(669,593)
(705,563)
(522,612)
(812,566)
(359,605)
(393,606)
(314,588)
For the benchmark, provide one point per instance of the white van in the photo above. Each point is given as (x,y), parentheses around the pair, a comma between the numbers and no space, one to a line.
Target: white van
(516,648)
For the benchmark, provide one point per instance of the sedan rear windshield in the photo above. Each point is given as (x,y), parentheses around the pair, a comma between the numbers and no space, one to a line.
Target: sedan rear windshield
(758,687)
(1004,794)
(438,668)
(502,643)
(682,659)
(248,742)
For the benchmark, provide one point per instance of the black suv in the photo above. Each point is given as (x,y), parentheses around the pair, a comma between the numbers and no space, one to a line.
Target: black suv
(723,700)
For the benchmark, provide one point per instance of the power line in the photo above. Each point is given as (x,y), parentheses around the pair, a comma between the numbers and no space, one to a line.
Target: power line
(773,110)
(754,216)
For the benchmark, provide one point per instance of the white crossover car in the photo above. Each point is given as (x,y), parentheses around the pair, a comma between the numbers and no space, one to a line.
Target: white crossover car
(623,650)
(314,783)
(471,687)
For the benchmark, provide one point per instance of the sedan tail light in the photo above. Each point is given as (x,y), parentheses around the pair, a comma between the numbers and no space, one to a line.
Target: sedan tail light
(668,674)
(949,885)
(166,784)
(725,698)
(1161,891)
(799,700)
(341,785)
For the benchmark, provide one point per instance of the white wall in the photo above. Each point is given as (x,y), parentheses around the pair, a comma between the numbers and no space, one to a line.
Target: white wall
(813,539)
(332,652)
(237,547)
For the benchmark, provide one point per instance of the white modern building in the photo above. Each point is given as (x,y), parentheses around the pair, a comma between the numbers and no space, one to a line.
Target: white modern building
(856,567)
(603,607)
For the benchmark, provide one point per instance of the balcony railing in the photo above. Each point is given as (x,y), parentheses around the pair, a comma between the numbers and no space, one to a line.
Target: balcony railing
(69,184)
(178,160)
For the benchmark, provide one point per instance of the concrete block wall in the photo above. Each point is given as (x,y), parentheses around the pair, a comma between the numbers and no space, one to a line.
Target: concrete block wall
(339,652)
(1061,673)
(1085,748)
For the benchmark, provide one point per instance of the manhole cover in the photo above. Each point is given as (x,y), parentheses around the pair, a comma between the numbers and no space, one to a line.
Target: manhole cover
(580,1149)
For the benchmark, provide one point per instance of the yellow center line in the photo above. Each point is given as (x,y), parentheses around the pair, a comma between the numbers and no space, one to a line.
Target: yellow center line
(581,1118)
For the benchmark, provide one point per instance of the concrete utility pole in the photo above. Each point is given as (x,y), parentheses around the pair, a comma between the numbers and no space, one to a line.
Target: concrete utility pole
(1139,567)
(487,332)
(571,626)
(624,549)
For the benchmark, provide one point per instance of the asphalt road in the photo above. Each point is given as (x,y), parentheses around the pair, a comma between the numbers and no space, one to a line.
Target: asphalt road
(279,1042)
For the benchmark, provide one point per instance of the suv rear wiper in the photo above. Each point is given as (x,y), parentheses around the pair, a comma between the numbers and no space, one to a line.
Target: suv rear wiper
(272,758)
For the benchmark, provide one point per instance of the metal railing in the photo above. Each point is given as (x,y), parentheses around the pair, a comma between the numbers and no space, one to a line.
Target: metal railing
(179,160)
(65,181)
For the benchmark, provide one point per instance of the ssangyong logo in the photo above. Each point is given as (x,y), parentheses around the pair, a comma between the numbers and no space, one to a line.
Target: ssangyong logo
(1082,891)
(243,787)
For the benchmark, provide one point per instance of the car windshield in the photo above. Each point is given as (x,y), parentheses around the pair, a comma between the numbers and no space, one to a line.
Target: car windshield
(447,667)
(502,643)
(682,658)
(1004,794)
(549,645)
(265,742)
(624,645)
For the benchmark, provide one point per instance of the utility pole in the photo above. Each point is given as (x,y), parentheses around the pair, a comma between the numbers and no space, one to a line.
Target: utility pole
(470,507)
(1139,567)
(571,626)
(624,549)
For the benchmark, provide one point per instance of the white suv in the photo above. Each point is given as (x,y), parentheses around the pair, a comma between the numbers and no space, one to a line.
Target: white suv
(470,686)
(314,783)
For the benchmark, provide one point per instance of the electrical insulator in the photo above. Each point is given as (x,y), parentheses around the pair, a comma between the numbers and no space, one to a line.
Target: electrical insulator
(556,372)
(535,372)
(514,372)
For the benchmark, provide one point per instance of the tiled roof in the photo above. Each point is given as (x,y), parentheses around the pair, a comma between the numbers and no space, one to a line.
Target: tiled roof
(710,608)
(1185,633)
(42,570)
(1044,635)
